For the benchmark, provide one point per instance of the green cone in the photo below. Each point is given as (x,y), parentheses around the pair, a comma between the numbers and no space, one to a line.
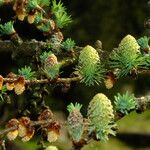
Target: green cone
(101,117)
(75,122)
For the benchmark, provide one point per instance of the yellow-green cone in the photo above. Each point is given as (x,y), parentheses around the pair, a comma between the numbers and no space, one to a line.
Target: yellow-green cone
(129,43)
(127,57)
(101,117)
(89,66)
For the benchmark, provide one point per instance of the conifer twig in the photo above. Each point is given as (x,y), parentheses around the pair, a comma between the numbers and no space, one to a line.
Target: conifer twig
(45,81)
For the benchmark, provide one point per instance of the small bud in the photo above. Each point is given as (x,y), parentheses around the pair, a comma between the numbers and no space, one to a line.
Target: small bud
(51,66)
(59,36)
(75,122)
(14,133)
(23,125)
(21,16)
(46,26)
(50,61)
(19,85)
(53,131)
(108,83)
(51,148)
(46,115)
(19,7)
(31,17)
(1,82)
(29,134)
(110,80)
(52,136)
(10,86)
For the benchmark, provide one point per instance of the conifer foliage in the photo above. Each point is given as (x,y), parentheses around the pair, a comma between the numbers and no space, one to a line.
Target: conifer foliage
(45,68)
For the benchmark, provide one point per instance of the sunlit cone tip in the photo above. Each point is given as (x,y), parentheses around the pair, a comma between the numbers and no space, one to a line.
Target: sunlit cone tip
(90,67)
(129,43)
(89,53)
(51,148)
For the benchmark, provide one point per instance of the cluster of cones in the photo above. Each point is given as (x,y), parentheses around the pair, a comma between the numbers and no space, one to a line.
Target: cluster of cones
(18,84)
(25,128)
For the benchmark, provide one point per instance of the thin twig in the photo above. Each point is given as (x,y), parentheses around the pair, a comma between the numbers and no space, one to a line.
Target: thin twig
(40,122)
(45,81)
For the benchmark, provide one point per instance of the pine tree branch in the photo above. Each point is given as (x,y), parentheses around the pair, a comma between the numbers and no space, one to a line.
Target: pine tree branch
(143,103)
(27,47)
(45,81)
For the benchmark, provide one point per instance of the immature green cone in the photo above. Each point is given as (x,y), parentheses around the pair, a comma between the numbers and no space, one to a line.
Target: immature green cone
(127,57)
(90,66)
(129,43)
(75,122)
(101,117)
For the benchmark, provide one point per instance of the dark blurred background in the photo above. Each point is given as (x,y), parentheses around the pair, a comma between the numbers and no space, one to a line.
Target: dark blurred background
(108,21)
